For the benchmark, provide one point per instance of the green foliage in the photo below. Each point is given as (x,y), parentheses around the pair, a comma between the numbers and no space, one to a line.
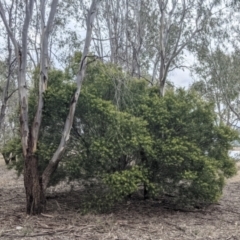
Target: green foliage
(13,148)
(108,82)
(190,158)
(125,136)
(109,140)
(118,186)
(57,99)
(126,182)
(56,102)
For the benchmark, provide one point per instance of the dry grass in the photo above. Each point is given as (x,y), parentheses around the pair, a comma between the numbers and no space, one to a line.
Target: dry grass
(132,220)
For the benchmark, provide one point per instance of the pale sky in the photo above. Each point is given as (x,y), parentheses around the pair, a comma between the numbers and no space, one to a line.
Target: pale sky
(181,78)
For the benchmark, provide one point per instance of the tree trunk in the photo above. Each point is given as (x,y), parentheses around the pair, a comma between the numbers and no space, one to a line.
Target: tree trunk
(35,195)
(162,88)
(2,112)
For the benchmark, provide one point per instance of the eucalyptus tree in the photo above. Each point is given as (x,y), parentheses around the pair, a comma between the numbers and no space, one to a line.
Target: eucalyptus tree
(148,38)
(36,182)
(218,74)
(120,36)
(8,95)
(8,70)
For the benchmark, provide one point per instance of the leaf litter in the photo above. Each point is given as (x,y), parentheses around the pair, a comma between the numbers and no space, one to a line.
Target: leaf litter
(135,219)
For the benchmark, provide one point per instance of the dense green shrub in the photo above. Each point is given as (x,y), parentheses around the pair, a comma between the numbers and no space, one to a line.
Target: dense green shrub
(129,137)
(190,158)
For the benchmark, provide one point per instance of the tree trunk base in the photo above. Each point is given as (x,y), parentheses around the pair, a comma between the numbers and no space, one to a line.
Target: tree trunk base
(35,195)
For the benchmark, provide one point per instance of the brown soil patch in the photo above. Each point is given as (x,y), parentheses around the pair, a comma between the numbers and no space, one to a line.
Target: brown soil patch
(133,220)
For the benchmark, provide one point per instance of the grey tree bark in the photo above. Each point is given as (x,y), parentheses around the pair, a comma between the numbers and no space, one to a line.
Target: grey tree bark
(36,184)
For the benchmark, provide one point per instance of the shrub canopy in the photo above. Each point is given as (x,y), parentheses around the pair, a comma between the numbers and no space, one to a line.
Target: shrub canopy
(124,136)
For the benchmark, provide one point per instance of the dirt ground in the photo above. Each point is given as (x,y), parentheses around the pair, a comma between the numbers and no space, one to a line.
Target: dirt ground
(133,220)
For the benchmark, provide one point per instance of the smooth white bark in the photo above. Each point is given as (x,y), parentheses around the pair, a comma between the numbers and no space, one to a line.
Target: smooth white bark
(44,67)
(80,77)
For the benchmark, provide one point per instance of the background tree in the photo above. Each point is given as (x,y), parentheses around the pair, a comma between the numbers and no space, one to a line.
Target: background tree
(218,74)
(8,70)
(148,38)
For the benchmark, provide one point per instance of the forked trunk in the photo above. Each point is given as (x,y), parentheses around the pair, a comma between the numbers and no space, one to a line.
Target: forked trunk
(35,195)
